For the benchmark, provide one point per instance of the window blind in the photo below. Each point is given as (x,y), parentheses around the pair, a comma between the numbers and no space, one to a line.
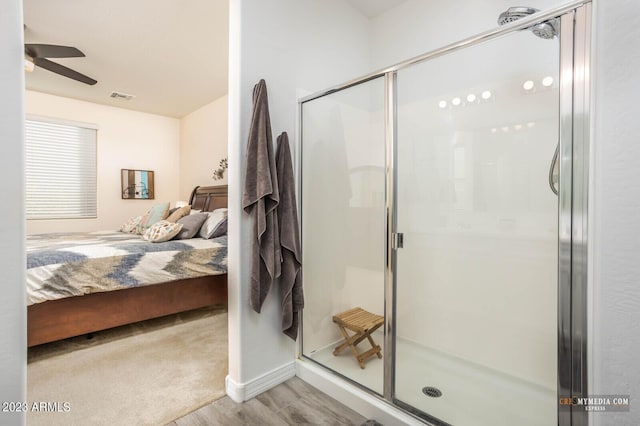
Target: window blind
(60,171)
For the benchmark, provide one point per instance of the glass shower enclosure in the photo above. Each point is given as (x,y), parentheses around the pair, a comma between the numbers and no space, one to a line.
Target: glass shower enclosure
(448,195)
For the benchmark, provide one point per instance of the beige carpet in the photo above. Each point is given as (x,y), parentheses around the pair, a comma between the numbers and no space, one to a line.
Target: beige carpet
(148,373)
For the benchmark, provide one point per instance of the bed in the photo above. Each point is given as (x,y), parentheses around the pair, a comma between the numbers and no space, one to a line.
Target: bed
(58,319)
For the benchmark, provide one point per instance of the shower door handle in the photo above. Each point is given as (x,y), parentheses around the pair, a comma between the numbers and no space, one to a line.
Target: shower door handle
(554,162)
(398,240)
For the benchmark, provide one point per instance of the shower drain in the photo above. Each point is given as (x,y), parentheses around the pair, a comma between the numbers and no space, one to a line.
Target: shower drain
(431,391)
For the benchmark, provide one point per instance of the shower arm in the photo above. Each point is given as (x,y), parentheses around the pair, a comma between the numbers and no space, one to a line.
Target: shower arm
(554,161)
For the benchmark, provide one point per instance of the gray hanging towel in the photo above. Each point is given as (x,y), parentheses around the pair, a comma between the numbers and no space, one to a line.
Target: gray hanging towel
(260,199)
(291,278)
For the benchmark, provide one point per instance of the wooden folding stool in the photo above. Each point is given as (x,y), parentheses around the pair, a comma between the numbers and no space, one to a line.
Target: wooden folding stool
(362,323)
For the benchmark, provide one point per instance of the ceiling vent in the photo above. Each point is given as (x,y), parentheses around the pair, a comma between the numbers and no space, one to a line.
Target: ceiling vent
(120,95)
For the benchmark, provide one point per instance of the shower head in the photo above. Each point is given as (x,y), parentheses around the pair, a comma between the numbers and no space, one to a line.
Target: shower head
(515,13)
(546,30)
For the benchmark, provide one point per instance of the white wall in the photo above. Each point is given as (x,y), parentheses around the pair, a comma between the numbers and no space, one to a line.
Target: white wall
(13,334)
(615,235)
(203,143)
(418,26)
(126,140)
(297,47)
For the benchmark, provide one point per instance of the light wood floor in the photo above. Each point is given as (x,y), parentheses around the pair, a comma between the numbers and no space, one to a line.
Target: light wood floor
(293,402)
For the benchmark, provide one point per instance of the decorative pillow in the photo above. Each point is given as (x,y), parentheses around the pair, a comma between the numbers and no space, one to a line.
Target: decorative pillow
(215,225)
(195,211)
(162,231)
(221,229)
(191,225)
(181,212)
(142,226)
(156,213)
(131,226)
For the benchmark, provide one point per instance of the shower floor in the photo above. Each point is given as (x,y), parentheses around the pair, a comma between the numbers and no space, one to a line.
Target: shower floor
(471,394)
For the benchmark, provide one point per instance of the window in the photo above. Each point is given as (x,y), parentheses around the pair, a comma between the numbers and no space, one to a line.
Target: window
(60,169)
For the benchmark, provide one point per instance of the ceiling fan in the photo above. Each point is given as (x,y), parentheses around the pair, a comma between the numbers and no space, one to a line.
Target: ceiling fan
(37,54)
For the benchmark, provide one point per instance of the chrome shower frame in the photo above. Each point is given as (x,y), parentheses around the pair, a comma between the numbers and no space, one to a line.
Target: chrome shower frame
(574,159)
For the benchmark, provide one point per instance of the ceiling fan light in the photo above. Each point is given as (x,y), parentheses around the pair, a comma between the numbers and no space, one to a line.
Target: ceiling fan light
(28,65)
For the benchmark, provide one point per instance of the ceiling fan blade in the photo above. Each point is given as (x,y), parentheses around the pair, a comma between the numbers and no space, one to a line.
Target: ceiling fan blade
(64,71)
(51,51)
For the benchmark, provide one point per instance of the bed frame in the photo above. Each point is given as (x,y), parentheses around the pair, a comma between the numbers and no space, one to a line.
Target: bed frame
(74,316)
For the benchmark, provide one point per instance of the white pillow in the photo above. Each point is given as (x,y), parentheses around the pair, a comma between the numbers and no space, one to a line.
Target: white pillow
(215,224)
(162,231)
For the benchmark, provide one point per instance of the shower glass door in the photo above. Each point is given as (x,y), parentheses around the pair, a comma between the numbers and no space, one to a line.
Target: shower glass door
(343,216)
(476,278)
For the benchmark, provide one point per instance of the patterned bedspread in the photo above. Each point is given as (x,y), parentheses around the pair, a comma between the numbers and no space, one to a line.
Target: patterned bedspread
(73,264)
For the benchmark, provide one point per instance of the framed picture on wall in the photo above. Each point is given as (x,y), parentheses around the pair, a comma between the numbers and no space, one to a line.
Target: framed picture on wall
(137,184)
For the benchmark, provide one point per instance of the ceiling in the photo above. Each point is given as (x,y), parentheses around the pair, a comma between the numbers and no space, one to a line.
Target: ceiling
(171,54)
(373,8)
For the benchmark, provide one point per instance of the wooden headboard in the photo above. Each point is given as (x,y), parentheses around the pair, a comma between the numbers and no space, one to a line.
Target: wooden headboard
(208,198)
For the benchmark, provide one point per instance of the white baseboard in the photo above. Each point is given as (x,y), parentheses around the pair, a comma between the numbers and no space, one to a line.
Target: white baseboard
(241,392)
(352,396)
